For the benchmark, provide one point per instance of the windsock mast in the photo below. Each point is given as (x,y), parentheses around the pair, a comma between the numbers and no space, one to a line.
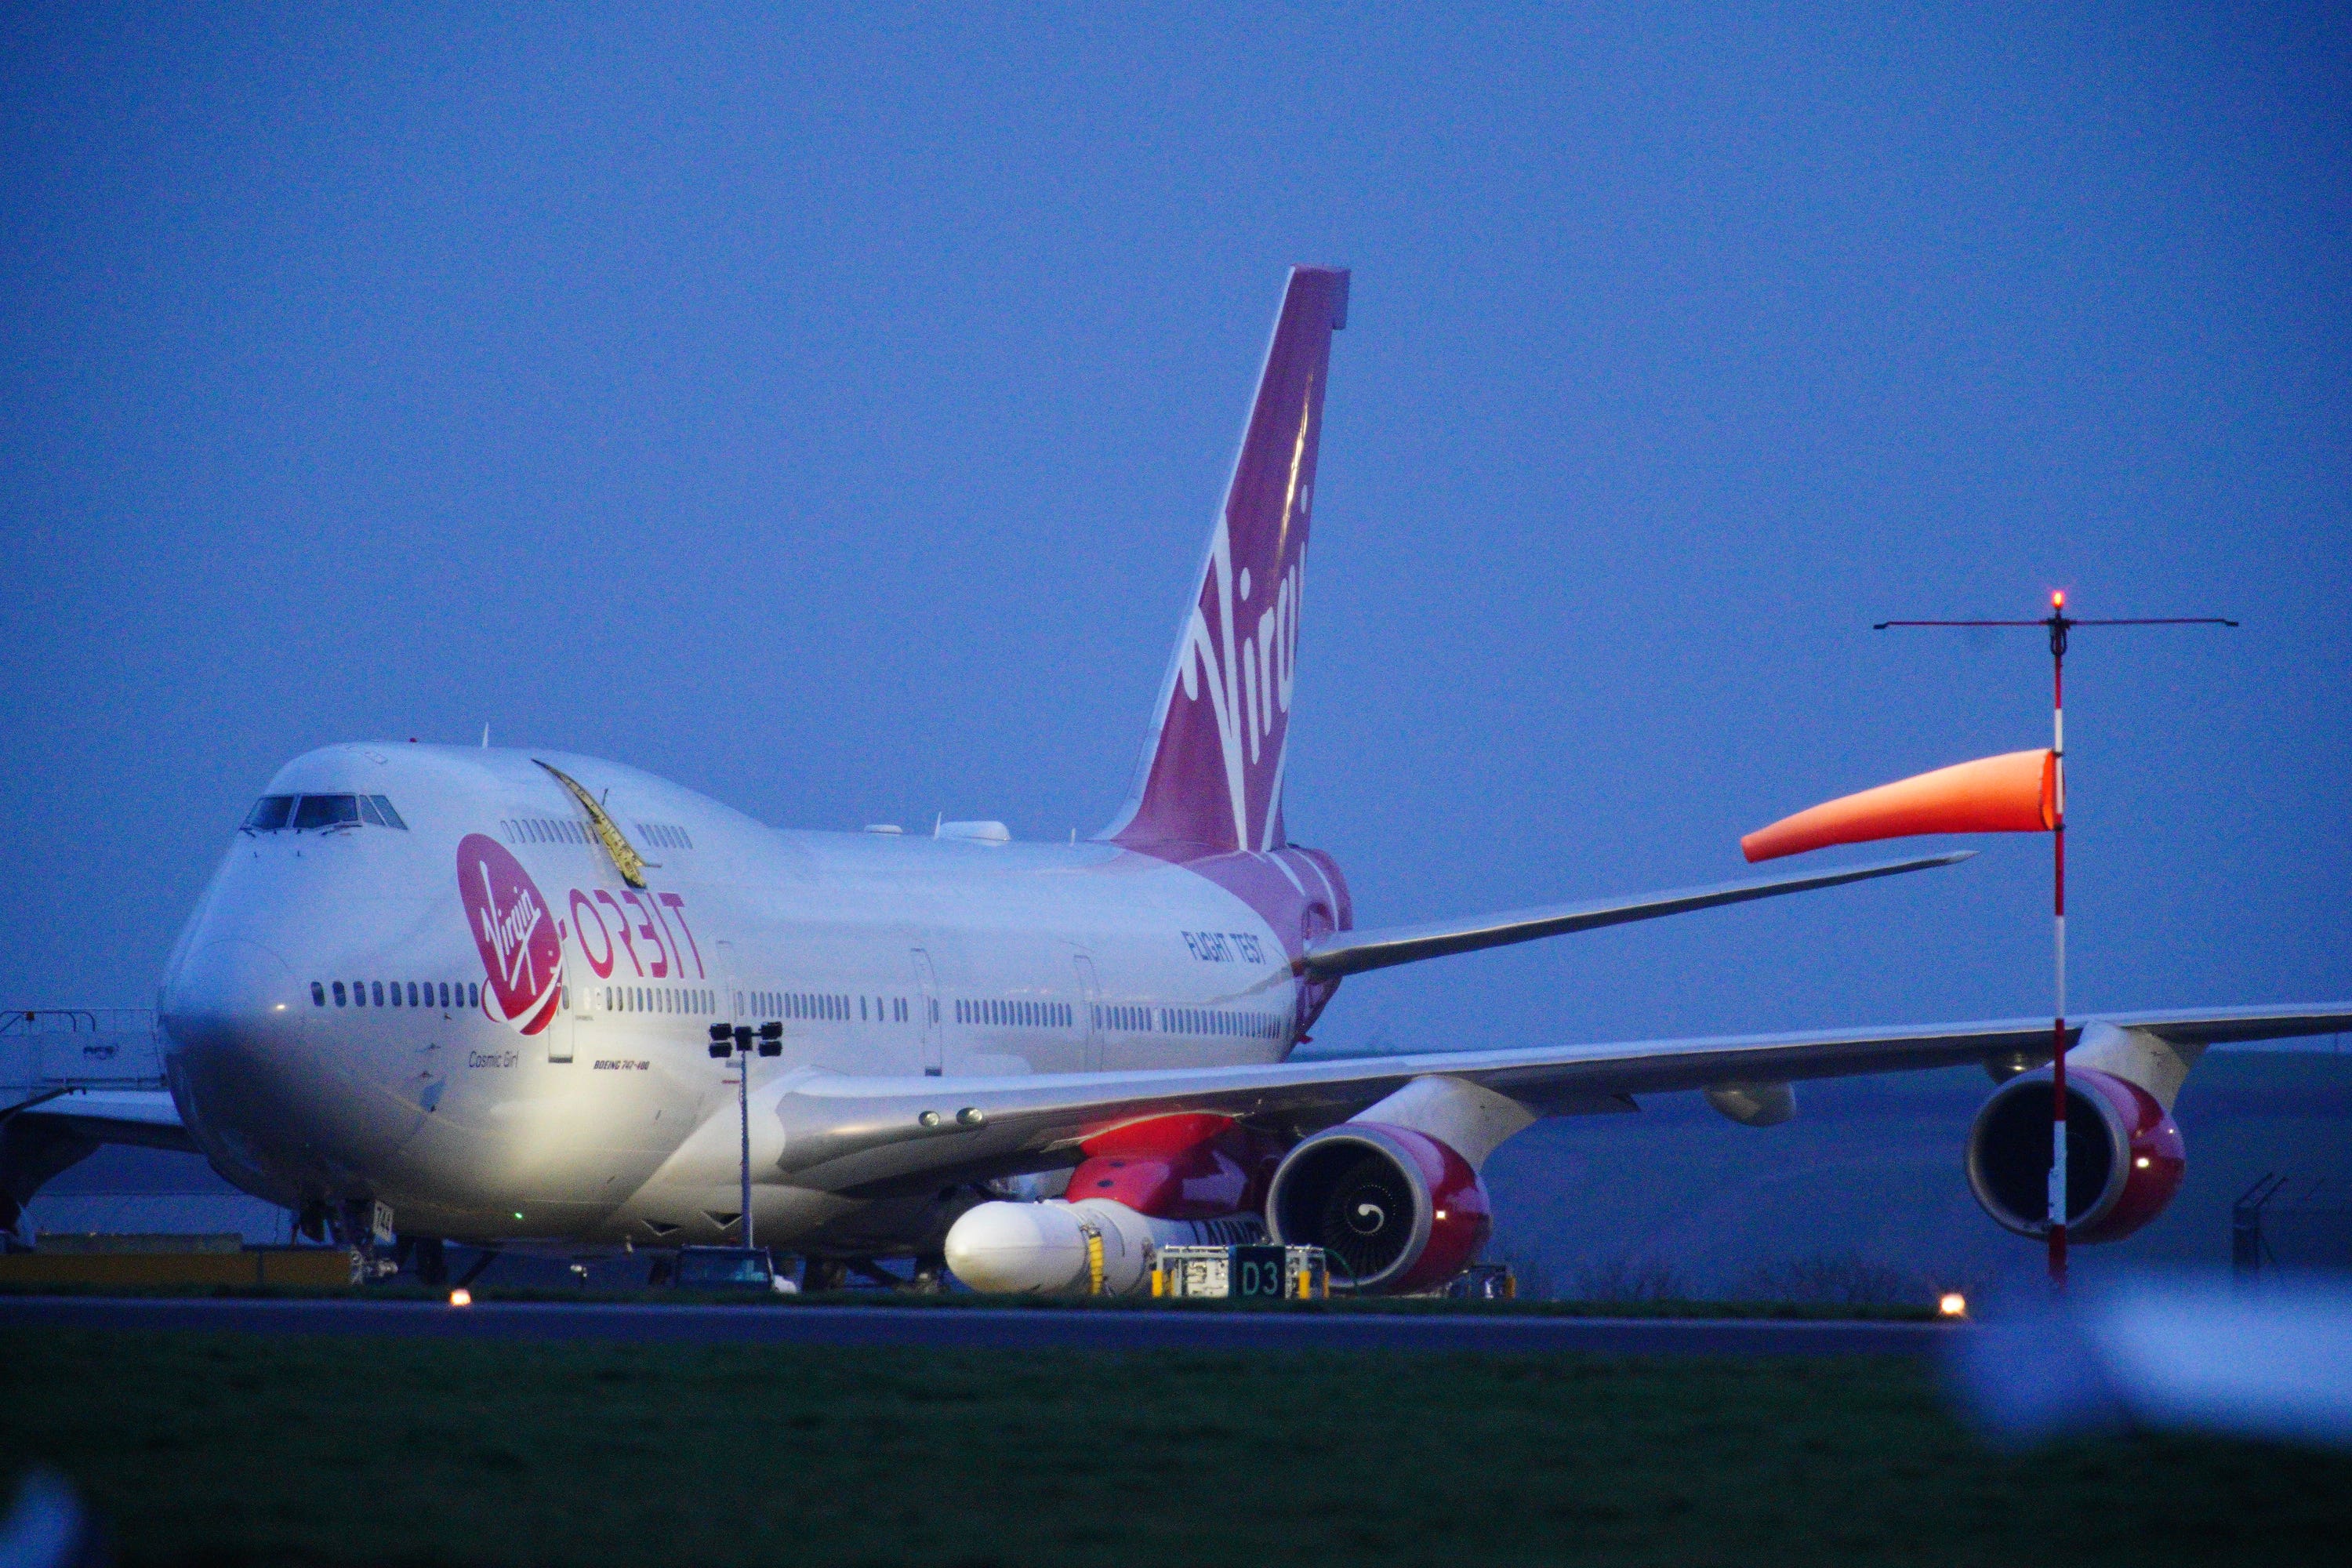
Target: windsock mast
(2059,623)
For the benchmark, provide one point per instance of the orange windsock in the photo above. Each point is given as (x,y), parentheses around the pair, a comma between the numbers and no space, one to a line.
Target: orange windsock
(2013,793)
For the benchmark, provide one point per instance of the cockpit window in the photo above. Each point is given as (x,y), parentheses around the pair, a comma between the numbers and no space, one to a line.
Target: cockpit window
(303,813)
(325,811)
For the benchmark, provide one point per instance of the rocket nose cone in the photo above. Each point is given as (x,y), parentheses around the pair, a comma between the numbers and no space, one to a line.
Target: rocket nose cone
(999,1247)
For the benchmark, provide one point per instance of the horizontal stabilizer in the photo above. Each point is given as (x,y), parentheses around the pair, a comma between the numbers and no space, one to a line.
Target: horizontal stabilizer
(1354,952)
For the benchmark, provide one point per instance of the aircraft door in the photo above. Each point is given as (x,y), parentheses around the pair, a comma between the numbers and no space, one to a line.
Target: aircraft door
(731,1001)
(558,1028)
(934,1046)
(1090,1022)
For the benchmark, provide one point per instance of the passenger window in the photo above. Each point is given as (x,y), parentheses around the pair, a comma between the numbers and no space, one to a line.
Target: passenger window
(396,993)
(269,813)
(339,994)
(318,994)
(317,811)
(445,993)
(473,995)
(391,817)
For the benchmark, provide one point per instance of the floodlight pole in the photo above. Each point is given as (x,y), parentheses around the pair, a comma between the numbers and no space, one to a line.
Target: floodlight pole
(739,1042)
(2058,622)
(743,1114)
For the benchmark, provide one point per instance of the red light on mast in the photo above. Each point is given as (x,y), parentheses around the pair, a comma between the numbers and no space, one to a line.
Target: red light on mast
(2058,598)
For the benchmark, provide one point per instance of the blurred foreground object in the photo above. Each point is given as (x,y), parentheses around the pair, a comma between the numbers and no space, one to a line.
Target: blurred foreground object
(2179,1355)
(47,1528)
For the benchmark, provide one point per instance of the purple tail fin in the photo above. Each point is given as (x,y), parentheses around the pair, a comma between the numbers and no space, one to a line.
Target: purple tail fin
(1211,780)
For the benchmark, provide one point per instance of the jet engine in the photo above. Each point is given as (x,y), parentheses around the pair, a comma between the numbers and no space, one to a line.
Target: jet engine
(1394,1210)
(2124,1155)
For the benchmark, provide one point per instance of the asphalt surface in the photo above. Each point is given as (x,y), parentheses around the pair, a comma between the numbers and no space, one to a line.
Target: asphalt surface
(993,1328)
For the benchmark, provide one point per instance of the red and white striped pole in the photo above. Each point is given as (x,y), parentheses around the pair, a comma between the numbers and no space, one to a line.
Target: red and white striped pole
(2058,625)
(2058,622)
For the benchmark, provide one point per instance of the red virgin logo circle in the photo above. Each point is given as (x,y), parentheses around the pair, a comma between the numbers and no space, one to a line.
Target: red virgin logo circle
(522,952)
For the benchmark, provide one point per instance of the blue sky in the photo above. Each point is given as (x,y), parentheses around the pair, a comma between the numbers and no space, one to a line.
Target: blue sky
(826,411)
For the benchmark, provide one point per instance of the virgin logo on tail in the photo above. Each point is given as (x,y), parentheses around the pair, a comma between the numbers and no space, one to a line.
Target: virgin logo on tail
(522,952)
(1249,681)
(1210,782)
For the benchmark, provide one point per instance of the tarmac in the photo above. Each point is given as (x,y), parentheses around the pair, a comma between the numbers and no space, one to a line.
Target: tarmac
(989,1328)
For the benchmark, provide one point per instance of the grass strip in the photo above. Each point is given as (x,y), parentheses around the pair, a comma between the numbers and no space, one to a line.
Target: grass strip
(218,1448)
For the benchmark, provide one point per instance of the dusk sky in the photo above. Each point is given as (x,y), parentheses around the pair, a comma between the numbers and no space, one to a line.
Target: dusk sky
(826,410)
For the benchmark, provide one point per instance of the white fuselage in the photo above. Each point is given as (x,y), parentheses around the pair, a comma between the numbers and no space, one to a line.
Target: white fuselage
(302,1066)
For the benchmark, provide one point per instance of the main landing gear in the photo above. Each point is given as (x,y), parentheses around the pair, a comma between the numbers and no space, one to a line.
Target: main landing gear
(930,1277)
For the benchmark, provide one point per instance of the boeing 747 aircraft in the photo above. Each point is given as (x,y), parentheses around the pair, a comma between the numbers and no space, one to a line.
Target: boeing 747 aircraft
(477,987)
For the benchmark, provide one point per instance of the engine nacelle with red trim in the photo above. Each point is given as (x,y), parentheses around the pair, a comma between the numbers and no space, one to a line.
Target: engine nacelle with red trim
(2124,1155)
(1394,1210)
(1192,1166)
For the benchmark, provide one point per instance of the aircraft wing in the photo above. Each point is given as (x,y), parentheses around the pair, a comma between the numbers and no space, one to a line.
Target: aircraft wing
(872,1136)
(145,1116)
(48,1133)
(1354,952)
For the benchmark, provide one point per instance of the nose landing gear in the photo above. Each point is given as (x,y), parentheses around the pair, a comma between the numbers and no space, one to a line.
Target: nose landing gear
(365,1225)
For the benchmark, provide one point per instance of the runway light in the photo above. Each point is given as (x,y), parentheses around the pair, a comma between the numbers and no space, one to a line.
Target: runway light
(1952,1304)
(461,1297)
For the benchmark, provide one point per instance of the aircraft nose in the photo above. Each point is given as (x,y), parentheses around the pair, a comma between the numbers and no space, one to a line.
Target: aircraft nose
(233,993)
(233,1021)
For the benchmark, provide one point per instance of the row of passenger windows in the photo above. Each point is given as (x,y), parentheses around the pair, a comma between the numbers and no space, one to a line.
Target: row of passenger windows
(544,830)
(305,813)
(567,830)
(819,1006)
(1017,1015)
(804,1005)
(1216,1021)
(399,993)
(682,999)
(658,999)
